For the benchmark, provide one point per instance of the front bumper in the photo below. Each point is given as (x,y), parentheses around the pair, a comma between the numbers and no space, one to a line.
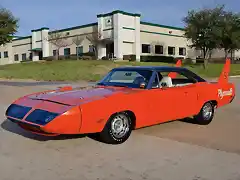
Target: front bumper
(46,122)
(35,129)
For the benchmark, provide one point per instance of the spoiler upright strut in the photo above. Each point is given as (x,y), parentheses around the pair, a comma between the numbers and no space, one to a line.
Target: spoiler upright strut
(224,76)
(173,74)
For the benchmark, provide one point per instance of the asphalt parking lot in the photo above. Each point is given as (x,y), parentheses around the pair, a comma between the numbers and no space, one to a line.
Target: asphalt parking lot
(176,150)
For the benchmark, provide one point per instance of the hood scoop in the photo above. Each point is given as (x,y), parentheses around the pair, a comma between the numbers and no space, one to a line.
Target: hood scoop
(75,96)
(57,102)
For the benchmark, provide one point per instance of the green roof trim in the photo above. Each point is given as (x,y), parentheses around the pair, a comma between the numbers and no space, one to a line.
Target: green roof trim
(107,29)
(43,28)
(165,34)
(75,27)
(20,38)
(129,28)
(128,42)
(21,44)
(15,36)
(160,25)
(120,12)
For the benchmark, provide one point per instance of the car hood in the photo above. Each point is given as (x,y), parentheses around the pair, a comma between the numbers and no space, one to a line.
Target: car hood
(78,95)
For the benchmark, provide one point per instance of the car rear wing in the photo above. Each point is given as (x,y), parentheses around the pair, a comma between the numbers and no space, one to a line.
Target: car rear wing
(173,74)
(224,76)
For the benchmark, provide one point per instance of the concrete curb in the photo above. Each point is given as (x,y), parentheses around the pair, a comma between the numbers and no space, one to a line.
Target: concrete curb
(238,76)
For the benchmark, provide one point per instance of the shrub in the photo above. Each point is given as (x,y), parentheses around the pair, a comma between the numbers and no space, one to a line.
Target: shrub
(187,61)
(86,57)
(105,58)
(167,59)
(130,57)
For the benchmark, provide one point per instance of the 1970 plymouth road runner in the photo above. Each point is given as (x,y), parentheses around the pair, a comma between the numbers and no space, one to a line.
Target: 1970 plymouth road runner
(126,98)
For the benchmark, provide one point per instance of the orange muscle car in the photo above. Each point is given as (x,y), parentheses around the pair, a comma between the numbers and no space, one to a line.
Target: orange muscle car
(126,98)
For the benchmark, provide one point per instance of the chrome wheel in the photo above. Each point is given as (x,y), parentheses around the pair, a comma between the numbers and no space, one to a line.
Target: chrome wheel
(120,126)
(207,111)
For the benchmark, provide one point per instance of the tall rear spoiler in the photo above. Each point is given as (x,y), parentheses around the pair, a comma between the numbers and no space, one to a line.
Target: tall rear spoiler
(224,76)
(173,74)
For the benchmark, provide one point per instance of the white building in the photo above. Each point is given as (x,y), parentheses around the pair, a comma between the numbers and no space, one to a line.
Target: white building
(121,33)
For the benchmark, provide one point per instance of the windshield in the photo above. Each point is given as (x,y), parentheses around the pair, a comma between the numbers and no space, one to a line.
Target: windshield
(126,78)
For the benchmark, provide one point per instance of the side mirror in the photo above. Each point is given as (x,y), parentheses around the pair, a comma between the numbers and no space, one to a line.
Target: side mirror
(143,85)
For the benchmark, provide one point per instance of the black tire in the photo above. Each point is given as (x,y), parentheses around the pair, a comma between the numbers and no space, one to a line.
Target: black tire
(108,135)
(203,119)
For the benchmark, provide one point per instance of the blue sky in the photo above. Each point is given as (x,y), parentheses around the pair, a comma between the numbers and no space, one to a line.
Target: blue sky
(57,14)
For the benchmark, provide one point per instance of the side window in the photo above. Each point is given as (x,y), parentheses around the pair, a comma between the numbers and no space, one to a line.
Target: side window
(180,76)
(183,79)
(163,80)
(124,76)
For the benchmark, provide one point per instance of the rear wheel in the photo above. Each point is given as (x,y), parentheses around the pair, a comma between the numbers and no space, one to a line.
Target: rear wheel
(206,114)
(118,129)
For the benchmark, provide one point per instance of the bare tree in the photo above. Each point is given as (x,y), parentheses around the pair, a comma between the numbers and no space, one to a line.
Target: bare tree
(58,39)
(78,41)
(95,40)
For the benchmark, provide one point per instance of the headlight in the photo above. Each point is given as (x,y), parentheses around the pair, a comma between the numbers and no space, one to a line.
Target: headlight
(41,117)
(17,111)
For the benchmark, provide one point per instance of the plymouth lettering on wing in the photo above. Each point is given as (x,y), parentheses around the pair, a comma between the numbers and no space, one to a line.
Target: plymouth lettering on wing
(222,93)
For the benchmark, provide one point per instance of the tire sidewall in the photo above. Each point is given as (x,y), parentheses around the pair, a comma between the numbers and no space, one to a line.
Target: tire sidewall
(200,117)
(108,130)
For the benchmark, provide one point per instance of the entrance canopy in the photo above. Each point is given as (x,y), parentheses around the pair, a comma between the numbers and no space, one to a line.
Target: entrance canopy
(36,49)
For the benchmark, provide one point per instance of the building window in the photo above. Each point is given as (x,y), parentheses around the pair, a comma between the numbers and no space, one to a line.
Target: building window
(16,57)
(158,49)
(66,51)
(79,50)
(182,51)
(5,54)
(30,56)
(91,48)
(145,48)
(24,57)
(54,52)
(171,50)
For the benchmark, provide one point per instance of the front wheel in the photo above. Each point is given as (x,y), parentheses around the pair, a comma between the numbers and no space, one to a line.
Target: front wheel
(118,129)
(206,114)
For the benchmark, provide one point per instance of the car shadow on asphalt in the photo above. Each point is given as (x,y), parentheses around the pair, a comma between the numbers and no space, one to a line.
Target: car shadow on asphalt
(188,120)
(14,128)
